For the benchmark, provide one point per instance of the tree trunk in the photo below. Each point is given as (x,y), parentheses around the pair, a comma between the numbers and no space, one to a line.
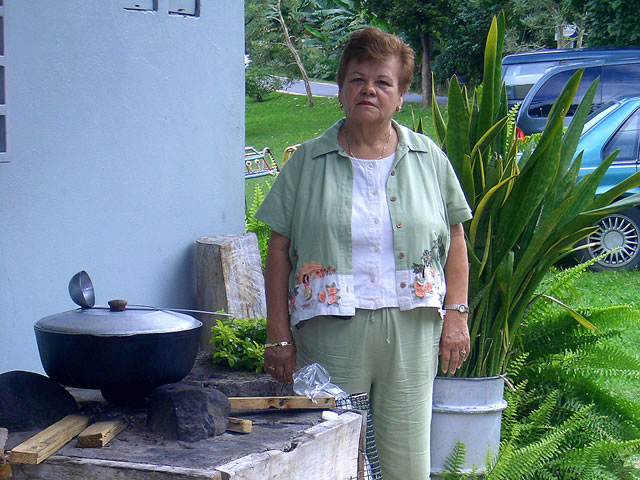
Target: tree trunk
(560,36)
(426,40)
(291,47)
(580,37)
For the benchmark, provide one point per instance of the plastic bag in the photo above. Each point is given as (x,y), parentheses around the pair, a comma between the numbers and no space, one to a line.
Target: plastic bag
(313,380)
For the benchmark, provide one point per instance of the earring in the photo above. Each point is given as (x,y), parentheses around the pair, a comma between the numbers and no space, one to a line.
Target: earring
(398,108)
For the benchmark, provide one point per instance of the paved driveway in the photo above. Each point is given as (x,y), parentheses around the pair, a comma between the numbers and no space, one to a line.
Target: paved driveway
(327,89)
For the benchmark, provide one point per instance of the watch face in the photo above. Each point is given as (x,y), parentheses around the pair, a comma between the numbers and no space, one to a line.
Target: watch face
(461,308)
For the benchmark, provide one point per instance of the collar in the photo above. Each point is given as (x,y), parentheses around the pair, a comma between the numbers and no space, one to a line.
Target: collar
(328,141)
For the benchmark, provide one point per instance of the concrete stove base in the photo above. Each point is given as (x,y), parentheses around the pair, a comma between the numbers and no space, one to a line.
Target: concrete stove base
(282,445)
(326,450)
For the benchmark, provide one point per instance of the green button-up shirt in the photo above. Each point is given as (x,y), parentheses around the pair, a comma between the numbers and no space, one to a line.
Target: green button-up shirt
(310,203)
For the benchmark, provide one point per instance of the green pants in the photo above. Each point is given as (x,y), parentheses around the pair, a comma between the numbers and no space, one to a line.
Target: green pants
(393,356)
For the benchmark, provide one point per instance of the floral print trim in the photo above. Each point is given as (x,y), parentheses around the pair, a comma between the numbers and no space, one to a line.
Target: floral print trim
(330,295)
(426,271)
(307,273)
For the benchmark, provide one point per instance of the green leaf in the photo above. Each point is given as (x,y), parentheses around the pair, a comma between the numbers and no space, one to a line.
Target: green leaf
(488,84)
(457,139)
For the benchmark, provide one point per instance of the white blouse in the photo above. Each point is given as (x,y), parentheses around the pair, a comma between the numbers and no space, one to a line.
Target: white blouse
(372,235)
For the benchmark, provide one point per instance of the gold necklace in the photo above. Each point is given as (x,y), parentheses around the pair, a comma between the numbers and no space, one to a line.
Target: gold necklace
(346,134)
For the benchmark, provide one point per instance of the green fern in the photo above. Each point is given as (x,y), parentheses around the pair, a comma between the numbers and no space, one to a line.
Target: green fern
(252,224)
(454,462)
(568,416)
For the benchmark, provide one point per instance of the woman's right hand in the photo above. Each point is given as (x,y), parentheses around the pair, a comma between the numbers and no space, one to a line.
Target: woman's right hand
(280,362)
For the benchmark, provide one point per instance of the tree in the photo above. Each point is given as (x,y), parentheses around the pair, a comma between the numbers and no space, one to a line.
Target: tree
(294,52)
(460,49)
(423,19)
(541,24)
(611,22)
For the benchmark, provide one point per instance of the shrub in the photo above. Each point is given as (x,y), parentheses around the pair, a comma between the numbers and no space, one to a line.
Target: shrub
(240,343)
(259,83)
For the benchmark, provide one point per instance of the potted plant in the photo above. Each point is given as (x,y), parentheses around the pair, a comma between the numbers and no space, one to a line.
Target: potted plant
(529,211)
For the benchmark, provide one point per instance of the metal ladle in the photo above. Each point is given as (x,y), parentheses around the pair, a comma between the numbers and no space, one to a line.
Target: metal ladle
(81,290)
(83,295)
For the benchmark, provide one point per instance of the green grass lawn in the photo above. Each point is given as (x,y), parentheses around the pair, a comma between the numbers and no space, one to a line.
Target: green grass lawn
(597,289)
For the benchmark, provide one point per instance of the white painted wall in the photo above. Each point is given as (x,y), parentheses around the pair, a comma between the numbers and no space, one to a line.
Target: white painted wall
(125,144)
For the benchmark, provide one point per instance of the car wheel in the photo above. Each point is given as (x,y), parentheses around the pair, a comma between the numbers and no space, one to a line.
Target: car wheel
(618,235)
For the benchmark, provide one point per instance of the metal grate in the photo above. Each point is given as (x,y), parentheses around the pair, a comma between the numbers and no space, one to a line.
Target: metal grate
(360,401)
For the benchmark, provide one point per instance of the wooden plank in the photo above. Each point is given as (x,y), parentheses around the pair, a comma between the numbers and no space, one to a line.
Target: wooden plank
(100,433)
(326,450)
(280,403)
(44,444)
(239,425)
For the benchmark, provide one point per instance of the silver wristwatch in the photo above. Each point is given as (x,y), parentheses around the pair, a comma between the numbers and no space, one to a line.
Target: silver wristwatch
(461,307)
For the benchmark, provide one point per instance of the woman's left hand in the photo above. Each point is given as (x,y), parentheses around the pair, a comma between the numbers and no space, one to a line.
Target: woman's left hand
(454,341)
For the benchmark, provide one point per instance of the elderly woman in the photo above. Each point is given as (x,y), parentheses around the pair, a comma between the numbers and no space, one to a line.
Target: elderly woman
(367,268)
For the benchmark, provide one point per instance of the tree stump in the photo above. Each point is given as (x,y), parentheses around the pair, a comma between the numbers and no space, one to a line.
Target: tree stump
(228,277)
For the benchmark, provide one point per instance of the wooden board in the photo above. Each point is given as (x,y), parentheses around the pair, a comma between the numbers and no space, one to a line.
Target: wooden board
(49,441)
(100,433)
(280,403)
(239,425)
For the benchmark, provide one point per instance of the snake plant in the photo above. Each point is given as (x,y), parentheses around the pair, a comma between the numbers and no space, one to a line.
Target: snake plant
(529,211)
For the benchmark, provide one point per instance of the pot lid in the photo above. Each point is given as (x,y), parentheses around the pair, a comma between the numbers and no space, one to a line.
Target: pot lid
(101,321)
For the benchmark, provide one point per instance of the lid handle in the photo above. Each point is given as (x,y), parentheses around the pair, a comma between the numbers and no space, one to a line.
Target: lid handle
(117,305)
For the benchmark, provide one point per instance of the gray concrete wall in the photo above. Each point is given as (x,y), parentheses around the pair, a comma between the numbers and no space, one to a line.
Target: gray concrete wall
(125,136)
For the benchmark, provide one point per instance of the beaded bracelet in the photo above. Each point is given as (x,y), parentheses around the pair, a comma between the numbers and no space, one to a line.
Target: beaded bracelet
(277,344)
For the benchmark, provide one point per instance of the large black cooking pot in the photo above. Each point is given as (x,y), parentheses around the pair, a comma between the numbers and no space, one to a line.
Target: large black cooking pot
(125,354)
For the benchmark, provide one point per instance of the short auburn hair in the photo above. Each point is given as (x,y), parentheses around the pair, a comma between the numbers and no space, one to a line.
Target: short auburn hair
(371,43)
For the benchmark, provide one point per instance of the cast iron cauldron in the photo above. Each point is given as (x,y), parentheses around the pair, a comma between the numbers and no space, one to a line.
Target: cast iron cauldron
(125,353)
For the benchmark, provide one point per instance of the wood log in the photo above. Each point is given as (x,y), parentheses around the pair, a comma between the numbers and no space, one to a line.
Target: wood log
(100,433)
(239,425)
(44,444)
(280,403)
(229,278)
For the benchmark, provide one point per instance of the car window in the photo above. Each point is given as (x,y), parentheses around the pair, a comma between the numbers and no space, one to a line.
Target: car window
(519,78)
(548,93)
(626,139)
(620,80)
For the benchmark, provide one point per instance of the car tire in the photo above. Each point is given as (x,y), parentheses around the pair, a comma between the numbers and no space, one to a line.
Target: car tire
(620,229)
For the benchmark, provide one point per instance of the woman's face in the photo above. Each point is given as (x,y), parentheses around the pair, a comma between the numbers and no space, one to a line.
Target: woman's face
(370,91)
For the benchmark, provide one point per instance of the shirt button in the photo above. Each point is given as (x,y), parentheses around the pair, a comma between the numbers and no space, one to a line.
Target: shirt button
(403,284)
(377,249)
(373,279)
(399,225)
(375,192)
(393,199)
(393,173)
(376,220)
(401,255)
